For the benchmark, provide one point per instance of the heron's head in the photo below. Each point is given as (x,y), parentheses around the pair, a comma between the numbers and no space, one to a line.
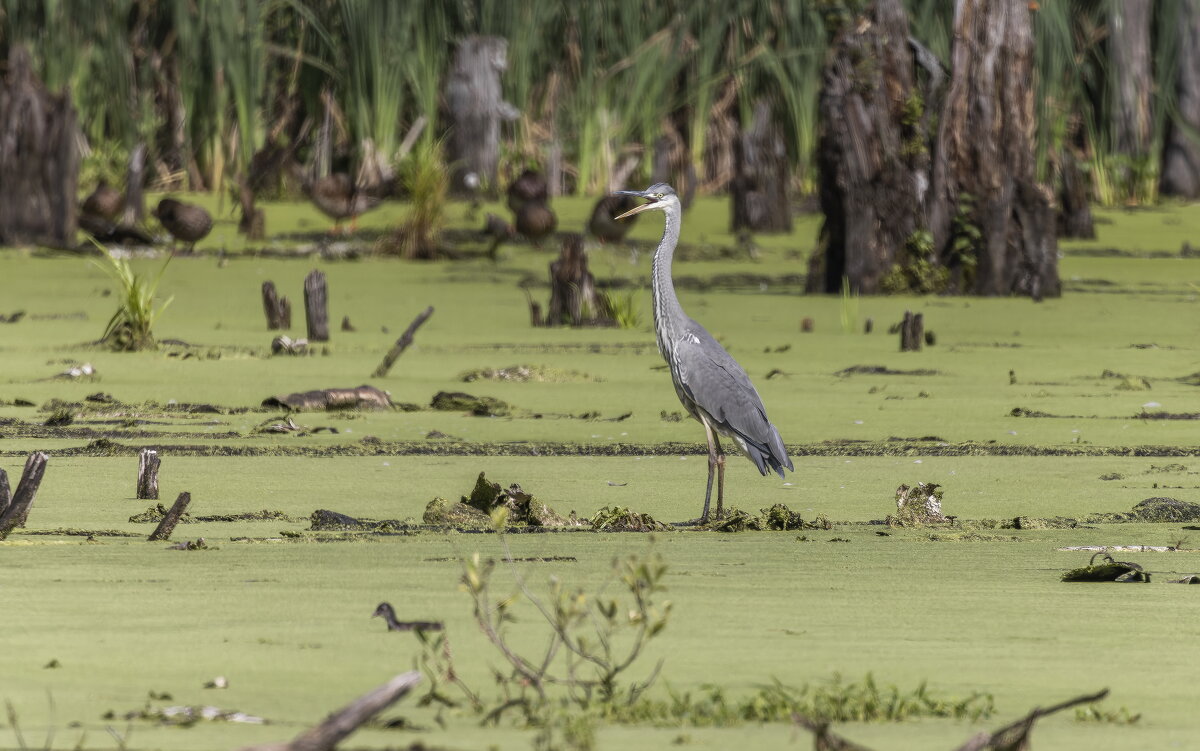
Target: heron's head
(660,196)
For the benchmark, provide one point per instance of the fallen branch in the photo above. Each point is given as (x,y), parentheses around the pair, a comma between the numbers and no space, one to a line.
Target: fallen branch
(363,396)
(167,525)
(22,499)
(1011,737)
(346,720)
(401,344)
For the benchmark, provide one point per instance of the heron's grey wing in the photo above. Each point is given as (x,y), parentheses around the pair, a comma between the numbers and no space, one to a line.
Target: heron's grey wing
(719,386)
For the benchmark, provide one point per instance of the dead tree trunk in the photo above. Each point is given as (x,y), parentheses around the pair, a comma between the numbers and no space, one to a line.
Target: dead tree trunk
(912,332)
(39,160)
(316,312)
(872,152)
(573,296)
(1181,147)
(171,518)
(987,211)
(1074,198)
(147,481)
(760,175)
(22,500)
(278,309)
(135,202)
(476,107)
(401,344)
(1132,78)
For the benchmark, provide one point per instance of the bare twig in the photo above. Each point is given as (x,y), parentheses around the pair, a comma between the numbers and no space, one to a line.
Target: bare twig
(401,344)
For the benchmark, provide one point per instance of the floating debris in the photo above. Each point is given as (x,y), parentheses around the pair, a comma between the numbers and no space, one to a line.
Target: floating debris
(918,505)
(362,397)
(526,374)
(1110,571)
(84,370)
(621,519)
(480,406)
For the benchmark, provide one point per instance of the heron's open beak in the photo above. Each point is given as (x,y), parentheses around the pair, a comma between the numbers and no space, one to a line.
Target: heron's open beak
(639,209)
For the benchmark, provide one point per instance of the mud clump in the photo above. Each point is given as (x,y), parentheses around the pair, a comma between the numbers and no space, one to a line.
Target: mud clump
(444,513)
(324,520)
(777,518)
(1109,571)
(621,519)
(480,406)
(475,510)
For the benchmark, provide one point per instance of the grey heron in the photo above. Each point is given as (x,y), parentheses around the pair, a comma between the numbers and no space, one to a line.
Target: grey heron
(713,387)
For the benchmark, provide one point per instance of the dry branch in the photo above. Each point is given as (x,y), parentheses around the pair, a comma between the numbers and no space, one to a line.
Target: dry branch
(339,725)
(167,525)
(363,396)
(18,507)
(401,344)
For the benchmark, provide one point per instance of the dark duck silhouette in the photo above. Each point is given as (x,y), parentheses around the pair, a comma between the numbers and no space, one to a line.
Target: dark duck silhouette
(604,225)
(388,614)
(339,198)
(529,201)
(98,216)
(185,221)
(536,222)
(105,202)
(529,187)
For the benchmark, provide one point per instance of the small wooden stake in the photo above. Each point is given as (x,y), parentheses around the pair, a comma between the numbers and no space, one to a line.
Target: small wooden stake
(401,344)
(167,525)
(278,309)
(22,500)
(316,312)
(147,482)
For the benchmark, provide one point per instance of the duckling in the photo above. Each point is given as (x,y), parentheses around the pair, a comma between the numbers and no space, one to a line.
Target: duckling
(185,221)
(105,202)
(499,230)
(536,221)
(529,187)
(604,225)
(339,198)
(388,614)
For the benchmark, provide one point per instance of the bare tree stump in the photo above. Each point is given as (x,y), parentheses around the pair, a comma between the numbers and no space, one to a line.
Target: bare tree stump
(476,107)
(759,188)
(278,309)
(22,499)
(1181,152)
(135,202)
(147,482)
(316,312)
(912,332)
(572,287)
(167,525)
(401,344)
(339,725)
(1074,199)
(39,159)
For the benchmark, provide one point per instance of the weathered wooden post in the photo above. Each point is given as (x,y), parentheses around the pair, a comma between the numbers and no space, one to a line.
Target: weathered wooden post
(39,159)
(760,178)
(18,507)
(401,344)
(167,525)
(147,481)
(476,106)
(316,312)
(912,331)
(278,309)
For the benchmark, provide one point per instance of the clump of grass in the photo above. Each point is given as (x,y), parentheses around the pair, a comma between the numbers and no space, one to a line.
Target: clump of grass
(622,307)
(849,308)
(131,327)
(425,176)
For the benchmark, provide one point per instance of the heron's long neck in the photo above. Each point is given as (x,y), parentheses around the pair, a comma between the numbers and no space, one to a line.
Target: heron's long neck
(668,313)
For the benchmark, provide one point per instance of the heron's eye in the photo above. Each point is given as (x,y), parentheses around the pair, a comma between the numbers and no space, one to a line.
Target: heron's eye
(660,195)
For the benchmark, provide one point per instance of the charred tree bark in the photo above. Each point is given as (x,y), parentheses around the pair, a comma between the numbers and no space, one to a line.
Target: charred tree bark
(278,309)
(167,525)
(872,152)
(316,311)
(476,107)
(912,332)
(39,160)
(1181,147)
(760,177)
(985,192)
(401,344)
(147,481)
(573,296)
(22,500)
(1132,78)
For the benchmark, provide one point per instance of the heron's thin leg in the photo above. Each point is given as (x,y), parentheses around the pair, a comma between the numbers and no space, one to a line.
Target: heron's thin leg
(713,449)
(720,479)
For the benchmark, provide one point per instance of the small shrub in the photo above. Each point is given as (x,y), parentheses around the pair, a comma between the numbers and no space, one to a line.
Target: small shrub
(131,328)
(424,174)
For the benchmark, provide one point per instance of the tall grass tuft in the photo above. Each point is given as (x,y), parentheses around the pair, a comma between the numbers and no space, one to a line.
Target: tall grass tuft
(131,328)
(427,180)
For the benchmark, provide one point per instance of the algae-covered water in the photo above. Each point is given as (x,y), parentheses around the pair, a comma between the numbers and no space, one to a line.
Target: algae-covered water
(1074,406)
